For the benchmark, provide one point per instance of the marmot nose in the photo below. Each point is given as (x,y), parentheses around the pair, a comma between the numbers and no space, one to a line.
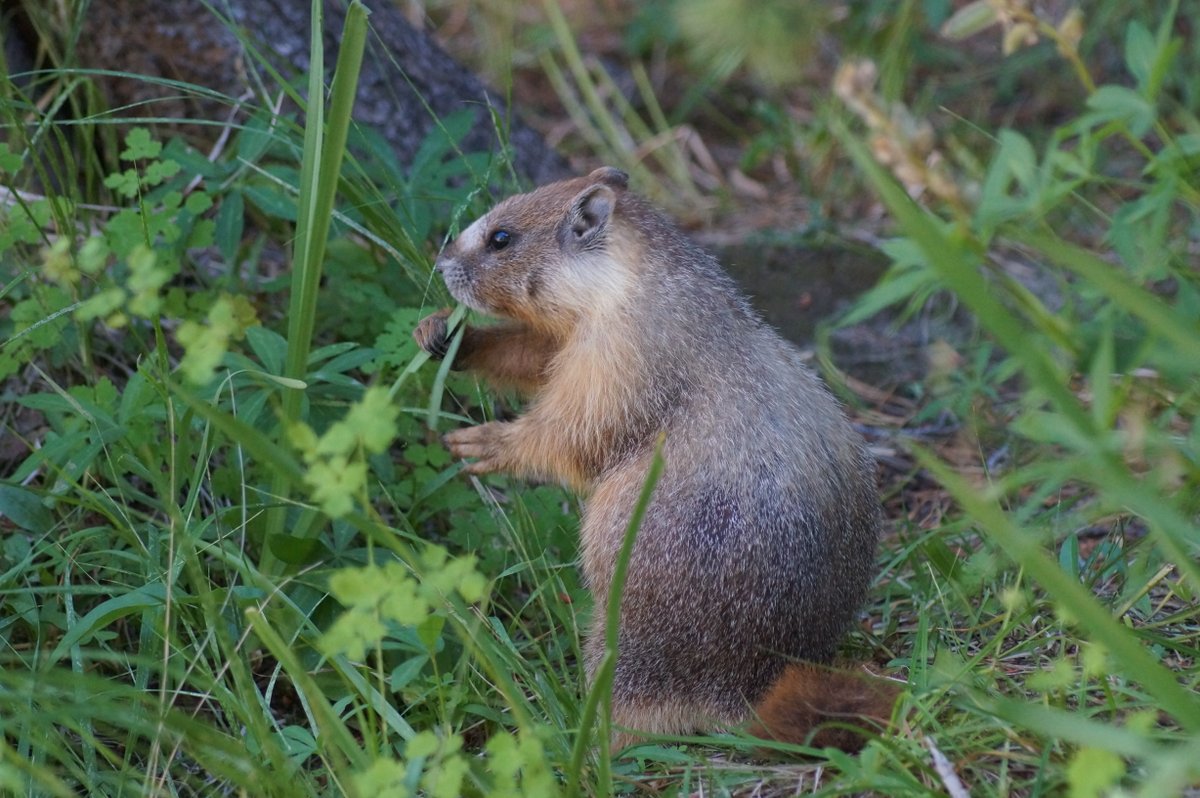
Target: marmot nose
(439,265)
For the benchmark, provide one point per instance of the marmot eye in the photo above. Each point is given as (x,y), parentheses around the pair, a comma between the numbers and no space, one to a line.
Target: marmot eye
(498,240)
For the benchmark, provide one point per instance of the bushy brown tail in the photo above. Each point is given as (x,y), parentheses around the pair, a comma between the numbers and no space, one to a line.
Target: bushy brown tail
(811,705)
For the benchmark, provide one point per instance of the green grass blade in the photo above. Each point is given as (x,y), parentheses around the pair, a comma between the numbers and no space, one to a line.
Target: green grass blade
(453,322)
(600,696)
(1062,724)
(334,736)
(1121,290)
(254,442)
(324,146)
(1027,551)
(958,267)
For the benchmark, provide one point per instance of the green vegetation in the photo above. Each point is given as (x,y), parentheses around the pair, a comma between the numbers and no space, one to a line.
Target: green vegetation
(236,558)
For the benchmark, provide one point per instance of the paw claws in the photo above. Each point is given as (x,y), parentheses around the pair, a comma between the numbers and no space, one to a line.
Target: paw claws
(433,335)
(481,444)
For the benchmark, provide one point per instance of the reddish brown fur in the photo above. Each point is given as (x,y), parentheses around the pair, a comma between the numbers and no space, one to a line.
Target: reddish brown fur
(809,705)
(510,356)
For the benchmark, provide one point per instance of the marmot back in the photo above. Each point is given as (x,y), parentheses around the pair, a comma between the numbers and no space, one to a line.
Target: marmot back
(758,544)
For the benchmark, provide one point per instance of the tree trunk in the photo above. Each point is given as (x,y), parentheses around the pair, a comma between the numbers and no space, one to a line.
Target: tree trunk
(407,80)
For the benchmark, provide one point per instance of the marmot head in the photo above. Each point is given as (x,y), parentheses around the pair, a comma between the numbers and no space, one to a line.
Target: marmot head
(546,257)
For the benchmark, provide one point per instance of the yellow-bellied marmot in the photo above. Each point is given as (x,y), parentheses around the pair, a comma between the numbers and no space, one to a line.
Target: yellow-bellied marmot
(758,544)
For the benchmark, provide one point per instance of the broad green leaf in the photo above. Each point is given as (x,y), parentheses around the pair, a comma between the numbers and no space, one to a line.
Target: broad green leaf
(231,220)
(1140,53)
(145,597)
(298,742)
(254,138)
(969,20)
(1014,161)
(1120,104)
(1181,148)
(406,671)
(10,162)
(298,551)
(25,509)
(269,347)
(271,200)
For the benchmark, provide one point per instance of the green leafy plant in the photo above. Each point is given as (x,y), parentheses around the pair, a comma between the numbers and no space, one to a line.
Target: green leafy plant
(416,632)
(611,122)
(136,513)
(1105,400)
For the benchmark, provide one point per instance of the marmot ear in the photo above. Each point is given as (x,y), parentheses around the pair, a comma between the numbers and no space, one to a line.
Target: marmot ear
(584,225)
(611,176)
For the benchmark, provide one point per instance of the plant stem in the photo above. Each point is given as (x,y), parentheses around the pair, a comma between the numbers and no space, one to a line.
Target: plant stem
(324,146)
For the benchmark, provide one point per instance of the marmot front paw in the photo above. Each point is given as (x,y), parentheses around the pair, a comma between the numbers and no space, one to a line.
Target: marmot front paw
(433,334)
(484,444)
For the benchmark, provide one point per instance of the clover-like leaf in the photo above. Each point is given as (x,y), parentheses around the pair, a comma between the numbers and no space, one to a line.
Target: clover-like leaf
(385,778)
(10,162)
(335,483)
(353,634)
(139,145)
(373,420)
(160,171)
(124,183)
(1092,772)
